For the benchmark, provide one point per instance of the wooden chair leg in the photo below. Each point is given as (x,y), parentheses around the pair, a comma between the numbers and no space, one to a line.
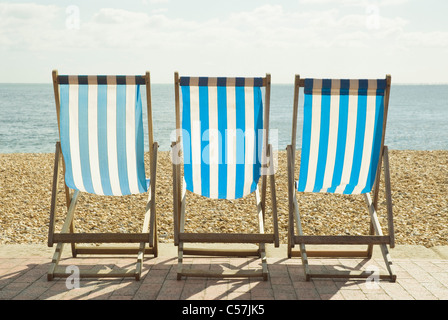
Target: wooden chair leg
(54,193)
(180,256)
(65,229)
(180,246)
(176,193)
(302,248)
(262,246)
(378,231)
(273,200)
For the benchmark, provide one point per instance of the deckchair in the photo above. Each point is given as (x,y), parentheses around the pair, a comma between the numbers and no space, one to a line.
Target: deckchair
(223,142)
(344,123)
(101,150)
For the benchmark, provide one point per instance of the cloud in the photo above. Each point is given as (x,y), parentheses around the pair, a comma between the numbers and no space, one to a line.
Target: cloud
(433,39)
(154,1)
(43,27)
(22,25)
(267,35)
(355,3)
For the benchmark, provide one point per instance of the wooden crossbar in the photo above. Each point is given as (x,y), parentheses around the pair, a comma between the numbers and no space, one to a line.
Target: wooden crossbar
(112,250)
(226,238)
(222,82)
(101,237)
(222,274)
(332,254)
(341,240)
(217,252)
(60,272)
(101,79)
(342,274)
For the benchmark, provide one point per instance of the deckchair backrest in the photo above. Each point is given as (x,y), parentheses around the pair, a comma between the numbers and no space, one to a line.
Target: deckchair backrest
(343,134)
(222,134)
(101,133)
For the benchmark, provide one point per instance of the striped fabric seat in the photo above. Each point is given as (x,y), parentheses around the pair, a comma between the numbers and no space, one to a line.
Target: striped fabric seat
(342,133)
(102,134)
(222,126)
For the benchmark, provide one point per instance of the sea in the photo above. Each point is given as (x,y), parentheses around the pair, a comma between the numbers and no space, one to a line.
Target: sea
(417,118)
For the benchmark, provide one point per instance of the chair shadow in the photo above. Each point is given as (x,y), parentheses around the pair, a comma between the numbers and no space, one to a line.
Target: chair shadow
(286,281)
(29,282)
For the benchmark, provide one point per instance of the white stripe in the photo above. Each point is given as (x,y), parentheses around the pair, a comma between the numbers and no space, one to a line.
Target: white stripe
(314,142)
(195,139)
(350,143)
(131,156)
(214,140)
(231,142)
(332,142)
(368,141)
(93,139)
(112,139)
(74,137)
(249,139)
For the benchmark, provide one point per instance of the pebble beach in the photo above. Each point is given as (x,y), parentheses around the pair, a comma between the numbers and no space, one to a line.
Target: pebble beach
(419,182)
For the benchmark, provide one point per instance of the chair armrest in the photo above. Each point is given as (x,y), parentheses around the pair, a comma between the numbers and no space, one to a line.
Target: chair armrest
(290,166)
(153,173)
(175,160)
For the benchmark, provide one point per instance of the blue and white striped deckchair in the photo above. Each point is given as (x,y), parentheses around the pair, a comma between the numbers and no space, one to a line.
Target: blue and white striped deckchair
(101,141)
(224,143)
(344,124)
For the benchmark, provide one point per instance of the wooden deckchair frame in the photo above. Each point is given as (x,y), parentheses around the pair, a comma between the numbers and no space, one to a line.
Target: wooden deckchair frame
(179,198)
(67,233)
(376,237)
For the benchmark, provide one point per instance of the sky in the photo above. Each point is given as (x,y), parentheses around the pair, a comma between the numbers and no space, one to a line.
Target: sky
(314,38)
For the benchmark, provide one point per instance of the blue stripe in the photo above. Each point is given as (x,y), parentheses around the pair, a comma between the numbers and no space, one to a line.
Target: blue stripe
(186,126)
(121,140)
(323,139)
(306,136)
(141,176)
(221,82)
(258,127)
(240,82)
(381,87)
(376,145)
(308,88)
(83,126)
(222,127)
(258,82)
(65,135)
(184,81)
(342,138)
(359,139)
(205,156)
(240,140)
(203,81)
(102,140)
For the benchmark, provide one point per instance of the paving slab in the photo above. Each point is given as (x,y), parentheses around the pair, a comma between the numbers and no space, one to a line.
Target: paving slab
(422,274)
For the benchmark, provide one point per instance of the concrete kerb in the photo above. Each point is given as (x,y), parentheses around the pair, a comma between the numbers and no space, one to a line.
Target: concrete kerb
(168,249)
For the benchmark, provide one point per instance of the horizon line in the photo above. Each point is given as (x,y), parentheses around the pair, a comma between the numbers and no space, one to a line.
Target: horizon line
(278,83)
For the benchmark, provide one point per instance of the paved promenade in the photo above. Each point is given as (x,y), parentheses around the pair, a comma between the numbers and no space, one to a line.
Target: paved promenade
(422,274)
